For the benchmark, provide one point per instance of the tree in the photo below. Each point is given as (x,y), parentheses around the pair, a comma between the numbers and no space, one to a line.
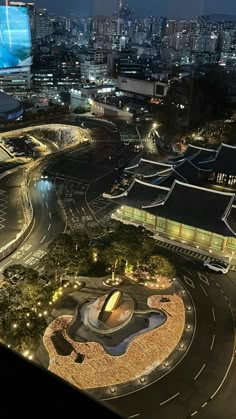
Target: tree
(160,266)
(115,255)
(125,245)
(24,301)
(15,273)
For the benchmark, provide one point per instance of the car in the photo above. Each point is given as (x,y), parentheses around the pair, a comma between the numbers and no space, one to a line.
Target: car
(19,154)
(44,176)
(216,265)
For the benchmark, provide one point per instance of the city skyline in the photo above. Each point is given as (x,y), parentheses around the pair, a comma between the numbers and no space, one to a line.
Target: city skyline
(169,8)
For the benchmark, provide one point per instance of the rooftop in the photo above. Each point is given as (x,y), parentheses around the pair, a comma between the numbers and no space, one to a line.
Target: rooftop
(139,194)
(224,160)
(198,207)
(149,168)
(9,105)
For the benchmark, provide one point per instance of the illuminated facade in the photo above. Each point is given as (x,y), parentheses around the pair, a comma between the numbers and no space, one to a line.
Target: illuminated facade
(193,215)
(177,231)
(220,164)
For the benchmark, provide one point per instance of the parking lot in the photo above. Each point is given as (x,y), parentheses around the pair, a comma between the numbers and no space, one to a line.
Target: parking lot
(21,146)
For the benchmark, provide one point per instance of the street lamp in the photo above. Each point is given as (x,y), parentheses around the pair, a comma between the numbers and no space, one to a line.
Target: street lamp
(154,125)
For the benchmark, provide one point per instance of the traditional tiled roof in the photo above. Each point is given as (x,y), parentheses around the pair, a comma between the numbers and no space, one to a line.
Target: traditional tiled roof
(195,154)
(190,172)
(198,207)
(223,162)
(140,193)
(168,180)
(185,171)
(148,168)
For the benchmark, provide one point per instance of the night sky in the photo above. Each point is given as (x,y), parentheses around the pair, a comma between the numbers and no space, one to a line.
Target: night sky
(169,8)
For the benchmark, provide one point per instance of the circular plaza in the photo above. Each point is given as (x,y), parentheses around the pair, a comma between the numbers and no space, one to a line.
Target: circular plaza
(121,339)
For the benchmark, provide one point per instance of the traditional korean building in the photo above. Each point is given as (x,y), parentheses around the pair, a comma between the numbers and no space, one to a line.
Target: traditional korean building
(165,173)
(222,165)
(149,169)
(187,213)
(195,154)
(197,166)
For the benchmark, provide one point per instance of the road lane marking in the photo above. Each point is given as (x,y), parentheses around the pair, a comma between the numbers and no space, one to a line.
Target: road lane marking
(27,255)
(203,278)
(204,404)
(49,227)
(217,285)
(50,215)
(3,266)
(194,413)
(225,376)
(189,281)
(134,416)
(202,287)
(213,341)
(171,398)
(199,372)
(46,204)
(190,273)
(213,314)
(43,239)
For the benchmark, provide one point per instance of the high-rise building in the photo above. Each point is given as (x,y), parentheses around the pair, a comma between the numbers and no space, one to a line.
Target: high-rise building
(171,27)
(41,24)
(17,80)
(225,40)
(211,42)
(31,9)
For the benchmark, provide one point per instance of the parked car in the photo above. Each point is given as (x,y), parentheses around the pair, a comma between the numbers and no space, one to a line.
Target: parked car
(216,265)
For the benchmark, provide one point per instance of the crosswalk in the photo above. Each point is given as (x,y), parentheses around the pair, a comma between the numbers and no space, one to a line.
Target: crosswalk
(187,252)
(106,219)
(99,203)
(70,188)
(102,209)
(3,208)
(179,249)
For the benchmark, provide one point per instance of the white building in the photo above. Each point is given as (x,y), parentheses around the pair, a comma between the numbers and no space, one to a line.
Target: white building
(15,80)
(93,72)
(142,88)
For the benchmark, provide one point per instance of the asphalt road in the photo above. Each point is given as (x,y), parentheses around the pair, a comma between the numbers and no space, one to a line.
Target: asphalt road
(11,213)
(48,223)
(61,202)
(199,384)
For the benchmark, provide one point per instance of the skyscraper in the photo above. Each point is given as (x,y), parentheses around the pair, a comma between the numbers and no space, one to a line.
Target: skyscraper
(119,20)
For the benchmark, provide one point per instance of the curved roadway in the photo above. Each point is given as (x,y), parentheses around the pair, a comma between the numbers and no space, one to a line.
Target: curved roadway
(203,380)
(194,387)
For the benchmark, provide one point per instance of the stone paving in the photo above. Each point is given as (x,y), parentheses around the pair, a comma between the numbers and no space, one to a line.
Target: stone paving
(145,352)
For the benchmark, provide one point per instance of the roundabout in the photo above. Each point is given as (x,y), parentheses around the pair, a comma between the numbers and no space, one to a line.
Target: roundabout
(183,367)
(194,387)
(127,338)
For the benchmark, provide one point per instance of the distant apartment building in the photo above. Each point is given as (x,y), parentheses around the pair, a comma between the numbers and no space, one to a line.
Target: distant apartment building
(93,71)
(141,88)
